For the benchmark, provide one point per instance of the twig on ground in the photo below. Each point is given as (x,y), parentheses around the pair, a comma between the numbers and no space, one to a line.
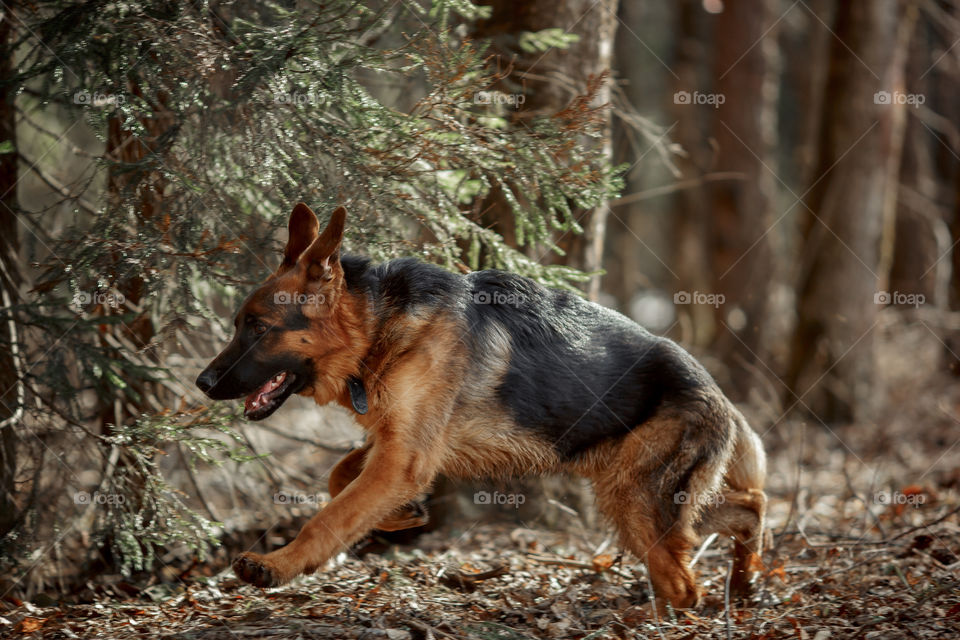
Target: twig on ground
(468,581)
(866,505)
(794,502)
(429,630)
(726,599)
(703,547)
(566,562)
(924,525)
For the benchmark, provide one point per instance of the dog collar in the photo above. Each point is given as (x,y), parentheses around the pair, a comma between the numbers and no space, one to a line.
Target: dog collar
(358,395)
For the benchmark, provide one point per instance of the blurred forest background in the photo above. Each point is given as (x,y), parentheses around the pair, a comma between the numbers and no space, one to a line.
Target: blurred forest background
(773,184)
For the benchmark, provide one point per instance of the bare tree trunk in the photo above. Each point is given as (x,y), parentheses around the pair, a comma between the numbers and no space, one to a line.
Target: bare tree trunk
(548,82)
(742,231)
(952,339)
(806,62)
(638,236)
(861,136)
(9,251)
(944,76)
(921,234)
(693,48)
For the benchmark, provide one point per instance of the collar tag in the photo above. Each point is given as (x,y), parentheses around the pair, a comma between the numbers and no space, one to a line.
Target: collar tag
(358,395)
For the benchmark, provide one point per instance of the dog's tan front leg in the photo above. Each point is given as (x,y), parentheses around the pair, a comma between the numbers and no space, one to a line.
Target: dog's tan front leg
(393,475)
(411,514)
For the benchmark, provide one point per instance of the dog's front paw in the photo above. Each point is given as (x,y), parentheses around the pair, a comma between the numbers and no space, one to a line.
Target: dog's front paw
(257,570)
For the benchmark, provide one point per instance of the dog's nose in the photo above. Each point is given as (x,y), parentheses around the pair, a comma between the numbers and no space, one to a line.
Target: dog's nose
(206,380)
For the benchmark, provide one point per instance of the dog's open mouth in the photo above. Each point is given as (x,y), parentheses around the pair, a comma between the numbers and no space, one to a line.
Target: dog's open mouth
(268,398)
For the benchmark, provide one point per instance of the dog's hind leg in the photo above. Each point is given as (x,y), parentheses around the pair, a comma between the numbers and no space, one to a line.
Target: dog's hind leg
(664,549)
(739,512)
(628,483)
(655,482)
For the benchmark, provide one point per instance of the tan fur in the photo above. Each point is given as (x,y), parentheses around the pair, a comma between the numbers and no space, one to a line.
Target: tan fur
(406,517)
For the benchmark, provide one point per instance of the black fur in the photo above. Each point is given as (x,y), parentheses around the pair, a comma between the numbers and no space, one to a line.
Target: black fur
(579,373)
(294,319)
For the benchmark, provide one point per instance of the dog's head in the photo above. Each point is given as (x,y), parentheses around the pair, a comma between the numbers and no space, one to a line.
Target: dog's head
(288,338)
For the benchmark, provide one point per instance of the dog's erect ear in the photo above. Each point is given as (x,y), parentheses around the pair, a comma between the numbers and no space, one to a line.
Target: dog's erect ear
(303,228)
(322,258)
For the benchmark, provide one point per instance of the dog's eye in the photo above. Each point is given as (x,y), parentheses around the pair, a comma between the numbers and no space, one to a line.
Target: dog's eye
(259,328)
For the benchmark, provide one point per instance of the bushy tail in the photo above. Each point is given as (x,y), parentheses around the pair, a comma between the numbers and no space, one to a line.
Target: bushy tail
(748,465)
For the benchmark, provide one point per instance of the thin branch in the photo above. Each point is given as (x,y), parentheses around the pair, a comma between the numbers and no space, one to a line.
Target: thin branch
(196,487)
(58,186)
(691,183)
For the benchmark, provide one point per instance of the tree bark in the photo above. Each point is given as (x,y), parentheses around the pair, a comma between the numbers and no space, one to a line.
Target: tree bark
(638,236)
(742,231)
(548,82)
(9,252)
(689,260)
(806,60)
(832,355)
(921,234)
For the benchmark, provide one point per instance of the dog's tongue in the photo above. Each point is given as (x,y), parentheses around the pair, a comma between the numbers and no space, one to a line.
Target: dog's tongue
(260,397)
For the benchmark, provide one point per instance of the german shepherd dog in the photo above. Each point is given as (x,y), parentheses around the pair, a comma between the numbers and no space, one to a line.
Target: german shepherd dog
(489,374)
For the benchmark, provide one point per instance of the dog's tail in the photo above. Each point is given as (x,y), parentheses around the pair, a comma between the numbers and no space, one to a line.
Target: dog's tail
(748,464)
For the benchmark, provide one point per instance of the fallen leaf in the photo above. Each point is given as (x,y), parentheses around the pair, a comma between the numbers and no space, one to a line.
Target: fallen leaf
(29,625)
(602,562)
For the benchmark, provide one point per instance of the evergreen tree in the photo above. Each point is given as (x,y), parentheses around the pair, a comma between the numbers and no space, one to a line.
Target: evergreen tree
(214,120)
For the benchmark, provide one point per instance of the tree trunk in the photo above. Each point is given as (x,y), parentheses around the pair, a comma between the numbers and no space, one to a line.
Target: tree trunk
(548,82)
(806,60)
(689,259)
(852,198)
(742,231)
(9,252)
(638,236)
(921,234)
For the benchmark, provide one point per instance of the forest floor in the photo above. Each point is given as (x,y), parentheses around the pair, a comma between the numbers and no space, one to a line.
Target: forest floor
(862,546)
(864,525)
(549,586)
